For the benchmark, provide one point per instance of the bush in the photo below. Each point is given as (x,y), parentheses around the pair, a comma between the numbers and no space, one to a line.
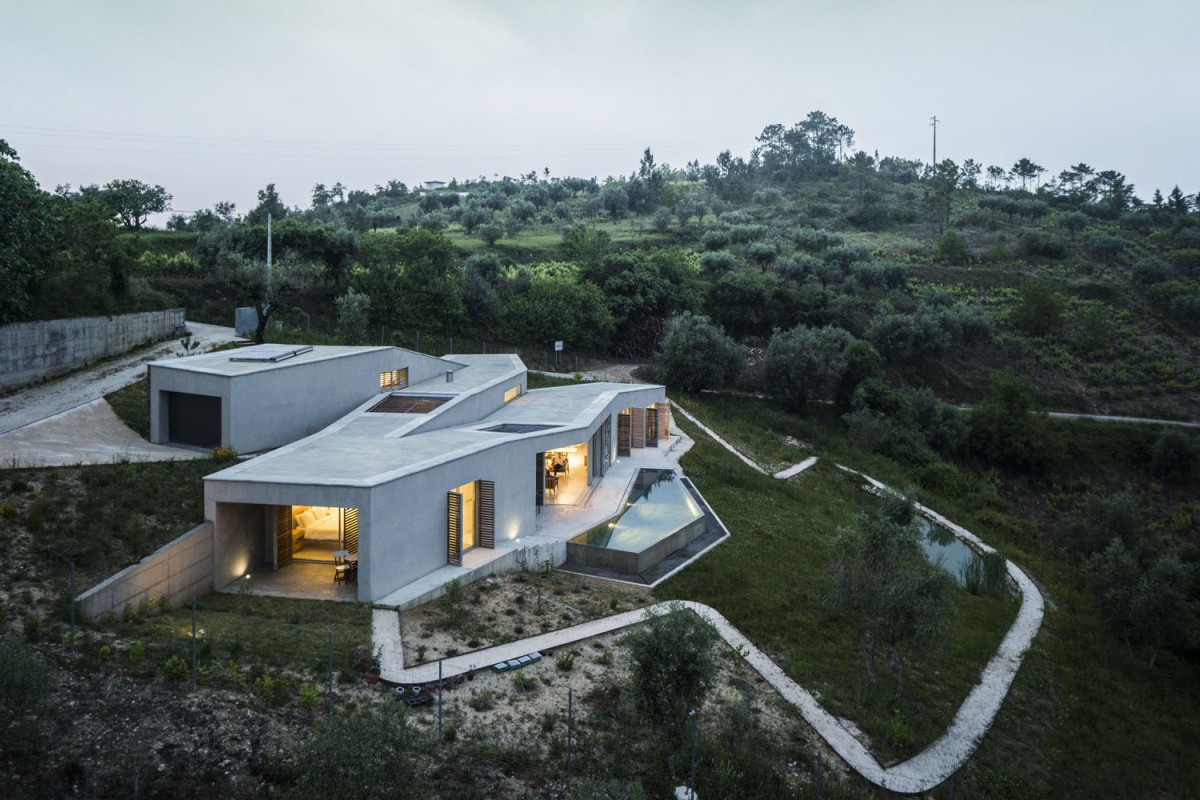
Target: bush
(373,754)
(718,262)
(1174,455)
(175,670)
(673,668)
(696,354)
(25,681)
(1037,243)
(952,248)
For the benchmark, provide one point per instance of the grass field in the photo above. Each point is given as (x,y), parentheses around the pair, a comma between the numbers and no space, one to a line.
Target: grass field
(1084,718)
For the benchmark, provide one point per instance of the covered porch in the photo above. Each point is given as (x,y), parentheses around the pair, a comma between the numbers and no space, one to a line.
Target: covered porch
(299,580)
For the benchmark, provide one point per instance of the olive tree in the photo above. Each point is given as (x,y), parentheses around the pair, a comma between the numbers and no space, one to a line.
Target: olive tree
(805,364)
(696,354)
(886,589)
(673,667)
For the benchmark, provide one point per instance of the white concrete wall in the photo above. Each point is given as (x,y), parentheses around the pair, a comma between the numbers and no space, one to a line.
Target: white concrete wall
(180,570)
(276,406)
(34,351)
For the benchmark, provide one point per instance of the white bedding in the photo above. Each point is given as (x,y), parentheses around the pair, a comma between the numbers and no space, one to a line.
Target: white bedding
(318,523)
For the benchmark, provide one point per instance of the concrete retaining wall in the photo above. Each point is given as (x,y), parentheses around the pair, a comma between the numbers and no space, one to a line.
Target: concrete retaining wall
(34,351)
(180,570)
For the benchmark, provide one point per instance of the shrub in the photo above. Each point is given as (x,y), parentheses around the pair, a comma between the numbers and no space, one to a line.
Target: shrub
(673,667)
(333,761)
(952,248)
(175,670)
(1037,243)
(309,695)
(566,662)
(718,262)
(483,701)
(25,681)
(696,354)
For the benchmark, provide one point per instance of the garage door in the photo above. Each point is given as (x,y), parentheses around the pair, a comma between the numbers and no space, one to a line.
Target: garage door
(194,419)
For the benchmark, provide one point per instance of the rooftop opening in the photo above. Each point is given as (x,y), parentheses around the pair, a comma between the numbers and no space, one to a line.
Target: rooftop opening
(271,353)
(409,403)
(517,427)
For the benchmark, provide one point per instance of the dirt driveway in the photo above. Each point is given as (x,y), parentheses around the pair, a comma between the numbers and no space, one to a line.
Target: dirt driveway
(60,421)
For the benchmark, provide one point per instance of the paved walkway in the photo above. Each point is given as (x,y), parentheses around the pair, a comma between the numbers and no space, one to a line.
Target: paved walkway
(918,774)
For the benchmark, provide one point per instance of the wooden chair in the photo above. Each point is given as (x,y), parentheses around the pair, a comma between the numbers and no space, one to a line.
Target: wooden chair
(341,570)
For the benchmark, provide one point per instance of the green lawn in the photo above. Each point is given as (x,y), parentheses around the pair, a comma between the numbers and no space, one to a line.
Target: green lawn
(1085,718)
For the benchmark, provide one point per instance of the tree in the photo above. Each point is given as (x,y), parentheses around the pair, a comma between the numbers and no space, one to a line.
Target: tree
(805,364)
(268,203)
(673,667)
(1005,428)
(353,312)
(133,201)
(885,588)
(1039,310)
(697,355)
(264,290)
(372,754)
(24,229)
(1026,170)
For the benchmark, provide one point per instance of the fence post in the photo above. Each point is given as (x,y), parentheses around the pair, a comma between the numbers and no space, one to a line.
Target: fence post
(71,592)
(440,701)
(570,737)
(193,644)
(329,691)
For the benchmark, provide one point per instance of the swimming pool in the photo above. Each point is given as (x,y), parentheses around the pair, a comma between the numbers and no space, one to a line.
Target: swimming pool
(942,548)
(660,516)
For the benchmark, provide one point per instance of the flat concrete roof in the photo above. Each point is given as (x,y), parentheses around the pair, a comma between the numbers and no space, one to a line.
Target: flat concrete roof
(222,362)
(367,449)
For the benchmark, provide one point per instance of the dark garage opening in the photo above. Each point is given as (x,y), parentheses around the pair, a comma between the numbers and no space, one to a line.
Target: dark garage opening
(194,419)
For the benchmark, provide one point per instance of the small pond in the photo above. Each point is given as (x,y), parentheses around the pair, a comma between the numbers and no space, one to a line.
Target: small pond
(942,548)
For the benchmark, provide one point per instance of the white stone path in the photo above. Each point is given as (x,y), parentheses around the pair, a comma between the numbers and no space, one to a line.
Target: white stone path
(918,774)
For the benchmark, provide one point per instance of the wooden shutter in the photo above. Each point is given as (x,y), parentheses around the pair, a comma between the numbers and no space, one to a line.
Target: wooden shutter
(539,480)
(486,496)
(623,434)
(350,529)
(283,536)
(652,427)
(454,502)
(402,377)
(638,426)
(664,420)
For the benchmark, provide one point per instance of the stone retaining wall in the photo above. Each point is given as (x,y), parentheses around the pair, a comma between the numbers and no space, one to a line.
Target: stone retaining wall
(34,351)
(180,570)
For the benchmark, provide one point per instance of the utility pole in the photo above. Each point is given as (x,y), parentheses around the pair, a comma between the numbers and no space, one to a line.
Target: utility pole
(933,121)
(269,253)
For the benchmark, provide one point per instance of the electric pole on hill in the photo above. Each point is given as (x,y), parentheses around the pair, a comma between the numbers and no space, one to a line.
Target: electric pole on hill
(934,123)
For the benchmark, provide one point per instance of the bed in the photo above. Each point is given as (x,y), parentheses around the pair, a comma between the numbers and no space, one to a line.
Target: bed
(315,523)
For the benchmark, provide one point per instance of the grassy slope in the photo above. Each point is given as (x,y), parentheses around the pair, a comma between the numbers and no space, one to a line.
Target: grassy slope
(770,581)
(1084,718)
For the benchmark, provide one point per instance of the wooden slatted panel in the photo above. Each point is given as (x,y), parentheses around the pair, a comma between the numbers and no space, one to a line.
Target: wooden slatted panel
(283,536)
(651,427)
(402,377)
(539,479)
(350,530)
(664,420)
(487,514)
(638,426)
(623,434)
(454,529)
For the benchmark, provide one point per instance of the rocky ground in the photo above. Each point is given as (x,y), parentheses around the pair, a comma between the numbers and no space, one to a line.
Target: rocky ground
(106,733)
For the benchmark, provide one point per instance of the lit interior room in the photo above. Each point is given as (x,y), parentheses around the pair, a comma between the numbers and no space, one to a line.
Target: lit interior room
(565,472)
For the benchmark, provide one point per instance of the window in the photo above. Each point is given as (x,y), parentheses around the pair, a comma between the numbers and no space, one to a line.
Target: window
(395,379)
(512,394)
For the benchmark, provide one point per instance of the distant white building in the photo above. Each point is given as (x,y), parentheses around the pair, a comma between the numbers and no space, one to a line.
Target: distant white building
(431,185)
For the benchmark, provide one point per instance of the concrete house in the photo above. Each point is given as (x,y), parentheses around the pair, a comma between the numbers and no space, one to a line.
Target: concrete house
(397,463)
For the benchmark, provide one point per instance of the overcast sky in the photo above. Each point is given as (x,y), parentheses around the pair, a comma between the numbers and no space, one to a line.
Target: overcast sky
(215,99)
